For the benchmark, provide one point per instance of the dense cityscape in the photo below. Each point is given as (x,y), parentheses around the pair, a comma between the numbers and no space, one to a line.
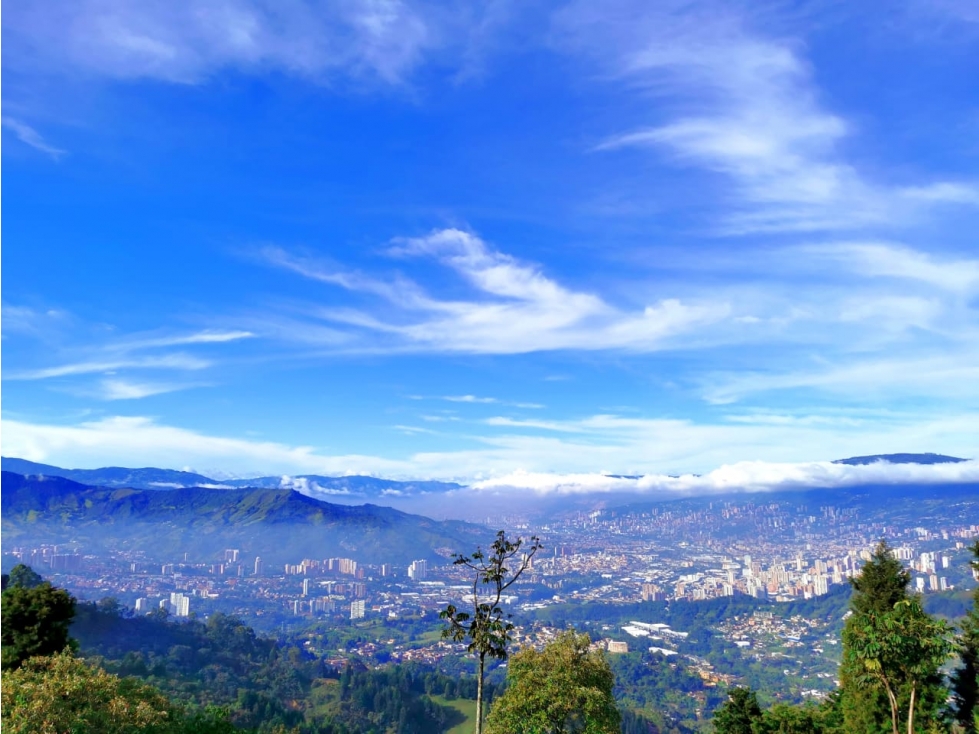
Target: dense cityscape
(676,552)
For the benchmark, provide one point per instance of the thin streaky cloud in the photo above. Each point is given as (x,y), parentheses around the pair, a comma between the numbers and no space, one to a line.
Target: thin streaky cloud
(468,399)
(117,389)
(191,42)
(878,259)
(29,136)
(514,307)
(759,118)
(200,337)
(172,361)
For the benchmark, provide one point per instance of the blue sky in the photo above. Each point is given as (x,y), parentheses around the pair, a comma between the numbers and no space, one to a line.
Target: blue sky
(466,240)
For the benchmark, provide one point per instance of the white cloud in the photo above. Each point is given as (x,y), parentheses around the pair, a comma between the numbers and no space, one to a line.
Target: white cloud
(590,446)
(469,399)
(29,136)
(744,105)
(950,375)
(140,441)
(746,476)
(127,390)
(208,336)
(888,260)
(515,308)
(188,42)
(310,487)
(169,361)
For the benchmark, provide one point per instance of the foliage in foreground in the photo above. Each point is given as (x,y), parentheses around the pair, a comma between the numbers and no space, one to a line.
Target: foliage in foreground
(564,688)
(60,693)
(36,617)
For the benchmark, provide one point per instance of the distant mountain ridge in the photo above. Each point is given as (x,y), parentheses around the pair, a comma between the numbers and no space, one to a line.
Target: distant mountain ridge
(901,459)
(337,488)
(348,488)
(280,525)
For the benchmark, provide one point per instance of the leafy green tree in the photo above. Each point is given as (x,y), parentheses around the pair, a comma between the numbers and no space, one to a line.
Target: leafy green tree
(35,617)
(565,688)
(488,629)
(898,651)
(24,577)
(965,682)
(739,713)
(881,583)
(52,695)
(785,719)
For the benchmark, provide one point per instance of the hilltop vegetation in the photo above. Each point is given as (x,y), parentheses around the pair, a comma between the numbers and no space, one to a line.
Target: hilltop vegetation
(277,524)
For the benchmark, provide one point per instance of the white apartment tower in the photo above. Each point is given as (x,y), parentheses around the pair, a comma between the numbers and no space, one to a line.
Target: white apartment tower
(418,570)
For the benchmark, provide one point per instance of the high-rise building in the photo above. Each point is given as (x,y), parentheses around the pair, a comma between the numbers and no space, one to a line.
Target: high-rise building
(231,555)
(385,569)
(305,587)
(820,585)
(258,565)
(358,609)
(142,605)
(418,570)
(179,604)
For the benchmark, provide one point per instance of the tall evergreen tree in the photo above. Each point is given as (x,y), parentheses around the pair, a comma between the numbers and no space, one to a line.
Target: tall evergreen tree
(740,714)
(866,702)
(965,682)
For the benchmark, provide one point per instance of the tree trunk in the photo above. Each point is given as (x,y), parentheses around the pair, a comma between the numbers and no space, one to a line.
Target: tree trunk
(479,694)
(892,699)
(914,690)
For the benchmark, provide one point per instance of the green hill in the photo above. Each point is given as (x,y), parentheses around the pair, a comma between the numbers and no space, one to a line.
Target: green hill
(278,525)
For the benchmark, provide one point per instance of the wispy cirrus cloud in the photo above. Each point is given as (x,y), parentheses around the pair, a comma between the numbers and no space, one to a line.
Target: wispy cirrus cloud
(514,308)
(189,42)
(116,389)
(955,275)
(167,361)
(207,336)
(742,104)
(469,399)
(116,360)
(29,136)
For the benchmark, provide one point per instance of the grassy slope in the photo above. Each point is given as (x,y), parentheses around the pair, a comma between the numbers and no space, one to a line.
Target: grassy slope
(465,707)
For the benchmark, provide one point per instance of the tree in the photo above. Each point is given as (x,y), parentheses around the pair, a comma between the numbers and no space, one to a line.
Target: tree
(565,688)
(739,713)
(785,719)
(898,651)
(24,577)
(487,628)
(881,583)
(51,695)
(965,682)
(36,617)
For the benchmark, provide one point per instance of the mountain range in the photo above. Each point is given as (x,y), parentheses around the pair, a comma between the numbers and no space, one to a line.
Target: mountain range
(280,525)
(341,489)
